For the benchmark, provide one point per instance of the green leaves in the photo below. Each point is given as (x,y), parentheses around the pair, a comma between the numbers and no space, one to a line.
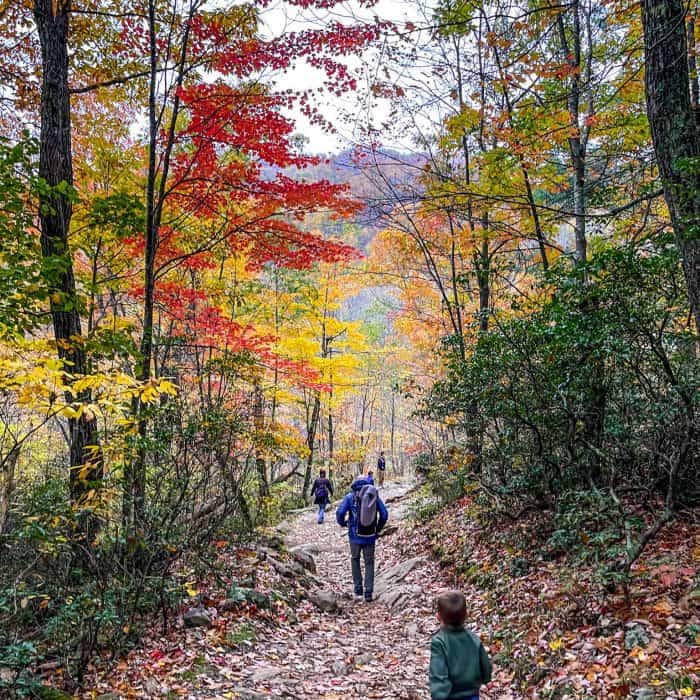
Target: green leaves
(22,287)
(589,387)
(122,213)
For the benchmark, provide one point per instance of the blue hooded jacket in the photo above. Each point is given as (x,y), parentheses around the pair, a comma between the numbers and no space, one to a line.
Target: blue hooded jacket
(347,517)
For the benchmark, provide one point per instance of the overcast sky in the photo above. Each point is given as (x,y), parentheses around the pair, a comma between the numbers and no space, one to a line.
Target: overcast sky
(346,112)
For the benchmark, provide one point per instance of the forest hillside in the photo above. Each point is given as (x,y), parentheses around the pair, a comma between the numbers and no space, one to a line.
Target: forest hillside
(260,407)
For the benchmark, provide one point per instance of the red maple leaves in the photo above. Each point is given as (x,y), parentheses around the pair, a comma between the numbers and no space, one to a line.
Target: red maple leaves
(236,174)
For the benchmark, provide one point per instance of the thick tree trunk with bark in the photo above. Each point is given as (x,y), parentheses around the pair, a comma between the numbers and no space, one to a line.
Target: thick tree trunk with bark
(56,167)
(674,130)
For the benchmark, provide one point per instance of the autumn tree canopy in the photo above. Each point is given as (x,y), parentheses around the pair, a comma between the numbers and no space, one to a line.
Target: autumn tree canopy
(241,242)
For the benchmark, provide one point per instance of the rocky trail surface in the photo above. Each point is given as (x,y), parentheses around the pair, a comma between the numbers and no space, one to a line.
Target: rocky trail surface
(277,619)
(340,648)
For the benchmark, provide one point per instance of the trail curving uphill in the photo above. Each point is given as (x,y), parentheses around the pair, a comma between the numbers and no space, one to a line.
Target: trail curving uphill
(356,650)
(326,647)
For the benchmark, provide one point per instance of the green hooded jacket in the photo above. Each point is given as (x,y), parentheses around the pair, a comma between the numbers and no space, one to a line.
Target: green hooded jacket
(459,664)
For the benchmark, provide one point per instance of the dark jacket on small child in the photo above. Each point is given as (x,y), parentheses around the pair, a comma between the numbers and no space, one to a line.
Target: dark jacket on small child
(322,490)
(459,664)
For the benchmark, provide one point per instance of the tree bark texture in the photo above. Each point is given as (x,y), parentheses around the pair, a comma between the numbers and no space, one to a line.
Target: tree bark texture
(674,130)
(56,168)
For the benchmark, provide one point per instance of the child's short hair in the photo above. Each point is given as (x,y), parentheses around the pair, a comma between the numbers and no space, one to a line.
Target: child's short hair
(322,473)
(452,608)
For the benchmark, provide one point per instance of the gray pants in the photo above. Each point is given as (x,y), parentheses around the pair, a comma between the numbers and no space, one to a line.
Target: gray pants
(367,551)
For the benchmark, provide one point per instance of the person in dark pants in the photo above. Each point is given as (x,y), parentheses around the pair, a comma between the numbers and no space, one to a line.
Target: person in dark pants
(322,490)
(381,469)
(364,514)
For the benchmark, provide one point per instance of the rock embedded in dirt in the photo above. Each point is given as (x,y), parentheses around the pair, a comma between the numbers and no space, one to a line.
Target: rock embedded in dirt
(362,690)
(302,555)
(412,630)
(325,600)
(399,571)
(339,668)
(313,548)
(239,594)
(109,696)
(289,570)
(364,659)
(241,693)
(265,673)
(636,636)
(273,541)
(283,527)
(197,617)
(397,597)
(388,588)
(388,530)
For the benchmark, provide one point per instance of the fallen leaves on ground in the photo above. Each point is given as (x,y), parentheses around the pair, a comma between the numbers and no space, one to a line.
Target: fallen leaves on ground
(551,631)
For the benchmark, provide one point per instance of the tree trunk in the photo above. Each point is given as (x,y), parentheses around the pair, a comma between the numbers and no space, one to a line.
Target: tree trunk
(7,484)
(134,503)
(482,265)
(529,194)
(331,443)
(56,168)
(392,434)
(259,423)
(693,67)
(577,142)
(674,130)
(311,440)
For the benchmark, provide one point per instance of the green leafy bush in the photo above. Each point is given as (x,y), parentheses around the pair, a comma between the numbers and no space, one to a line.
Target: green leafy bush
(585,404)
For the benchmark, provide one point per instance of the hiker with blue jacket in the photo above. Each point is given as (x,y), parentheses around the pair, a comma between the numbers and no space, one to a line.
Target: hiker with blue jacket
(322,490)
(364,514)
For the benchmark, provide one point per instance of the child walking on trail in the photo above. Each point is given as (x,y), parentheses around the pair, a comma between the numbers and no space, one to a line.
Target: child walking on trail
(322,490)
(459,664)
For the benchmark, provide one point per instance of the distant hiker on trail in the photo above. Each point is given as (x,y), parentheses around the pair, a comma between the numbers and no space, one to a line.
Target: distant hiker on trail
(459,664)
(370,477)
(364,514)
(322,490)
(381,468)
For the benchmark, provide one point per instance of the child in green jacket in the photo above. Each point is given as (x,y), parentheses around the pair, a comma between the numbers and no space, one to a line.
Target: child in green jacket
(459,664)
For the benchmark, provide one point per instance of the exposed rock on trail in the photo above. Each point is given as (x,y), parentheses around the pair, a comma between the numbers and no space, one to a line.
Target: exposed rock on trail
(281,630)
(339,648)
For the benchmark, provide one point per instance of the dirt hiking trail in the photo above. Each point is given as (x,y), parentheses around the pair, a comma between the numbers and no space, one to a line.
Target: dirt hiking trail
(352,649)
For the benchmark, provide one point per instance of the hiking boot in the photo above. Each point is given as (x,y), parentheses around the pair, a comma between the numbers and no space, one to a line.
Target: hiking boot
(368,598)
(358,597)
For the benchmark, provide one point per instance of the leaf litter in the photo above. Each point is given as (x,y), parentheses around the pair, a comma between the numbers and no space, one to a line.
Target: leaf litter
(549,629)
